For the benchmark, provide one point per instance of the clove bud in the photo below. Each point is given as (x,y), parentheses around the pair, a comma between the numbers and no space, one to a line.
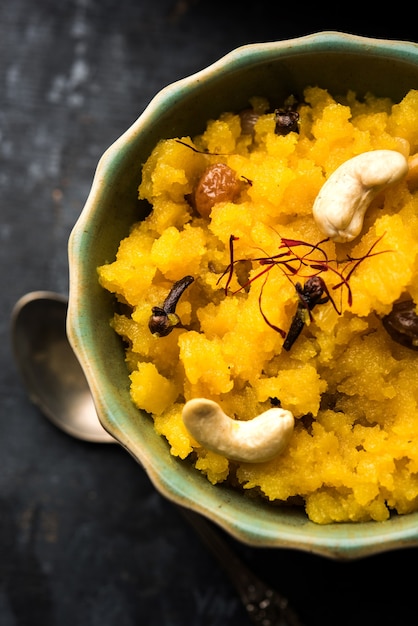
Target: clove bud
(164,318)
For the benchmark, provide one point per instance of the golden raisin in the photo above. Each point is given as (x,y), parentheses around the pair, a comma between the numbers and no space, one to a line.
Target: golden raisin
(248,118)
(402,324)
(218,183)
(412,176)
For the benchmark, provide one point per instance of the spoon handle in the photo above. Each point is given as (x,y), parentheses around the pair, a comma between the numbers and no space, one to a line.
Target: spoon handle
(265,606)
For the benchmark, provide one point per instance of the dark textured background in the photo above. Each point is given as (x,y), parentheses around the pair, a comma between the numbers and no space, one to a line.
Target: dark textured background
(84,538)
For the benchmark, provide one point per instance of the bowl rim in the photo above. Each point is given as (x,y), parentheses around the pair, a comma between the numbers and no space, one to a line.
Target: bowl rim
(338,540)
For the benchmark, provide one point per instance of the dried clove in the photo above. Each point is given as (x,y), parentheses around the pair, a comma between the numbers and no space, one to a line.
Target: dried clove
(164,318)
(311,294)
(287,121)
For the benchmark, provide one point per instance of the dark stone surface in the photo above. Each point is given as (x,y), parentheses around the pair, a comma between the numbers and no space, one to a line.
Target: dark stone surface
(84,538)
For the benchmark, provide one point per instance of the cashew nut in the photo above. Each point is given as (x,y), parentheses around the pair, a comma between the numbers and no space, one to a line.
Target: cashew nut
(341,204)
(252,441)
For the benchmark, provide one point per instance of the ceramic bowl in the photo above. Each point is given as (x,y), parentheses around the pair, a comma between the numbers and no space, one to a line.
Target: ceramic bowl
(336,61)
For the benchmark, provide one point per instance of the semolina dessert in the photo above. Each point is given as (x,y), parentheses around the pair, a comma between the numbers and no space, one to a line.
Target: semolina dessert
(267,302)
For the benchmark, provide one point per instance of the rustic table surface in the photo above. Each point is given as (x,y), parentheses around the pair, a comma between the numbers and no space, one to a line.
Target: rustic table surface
(85,540)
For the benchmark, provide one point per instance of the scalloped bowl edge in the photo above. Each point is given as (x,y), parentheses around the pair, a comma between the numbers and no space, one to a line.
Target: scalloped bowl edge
(89,332)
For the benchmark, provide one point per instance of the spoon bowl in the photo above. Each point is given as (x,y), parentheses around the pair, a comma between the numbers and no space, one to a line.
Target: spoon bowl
(49,368)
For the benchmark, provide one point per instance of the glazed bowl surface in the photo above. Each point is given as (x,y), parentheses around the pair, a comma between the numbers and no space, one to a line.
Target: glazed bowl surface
(332,60)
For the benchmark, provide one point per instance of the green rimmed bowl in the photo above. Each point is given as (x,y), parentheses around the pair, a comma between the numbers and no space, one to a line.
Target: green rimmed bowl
(332,60)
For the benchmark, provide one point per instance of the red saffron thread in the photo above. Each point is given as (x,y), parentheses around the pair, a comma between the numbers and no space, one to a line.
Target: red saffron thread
(281,332)
(311,262)
(232,238)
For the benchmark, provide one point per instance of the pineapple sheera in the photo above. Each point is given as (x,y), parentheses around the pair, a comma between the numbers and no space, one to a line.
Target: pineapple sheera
(270,312)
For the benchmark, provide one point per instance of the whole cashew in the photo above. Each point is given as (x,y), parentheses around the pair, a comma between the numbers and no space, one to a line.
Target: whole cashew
(252,441)
(342,202)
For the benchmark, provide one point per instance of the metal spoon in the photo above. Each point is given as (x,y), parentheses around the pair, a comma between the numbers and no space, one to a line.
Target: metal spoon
(49,368)
(57,386)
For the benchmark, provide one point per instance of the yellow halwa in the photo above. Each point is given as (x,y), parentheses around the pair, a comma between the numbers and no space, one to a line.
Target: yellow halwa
(353,390)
